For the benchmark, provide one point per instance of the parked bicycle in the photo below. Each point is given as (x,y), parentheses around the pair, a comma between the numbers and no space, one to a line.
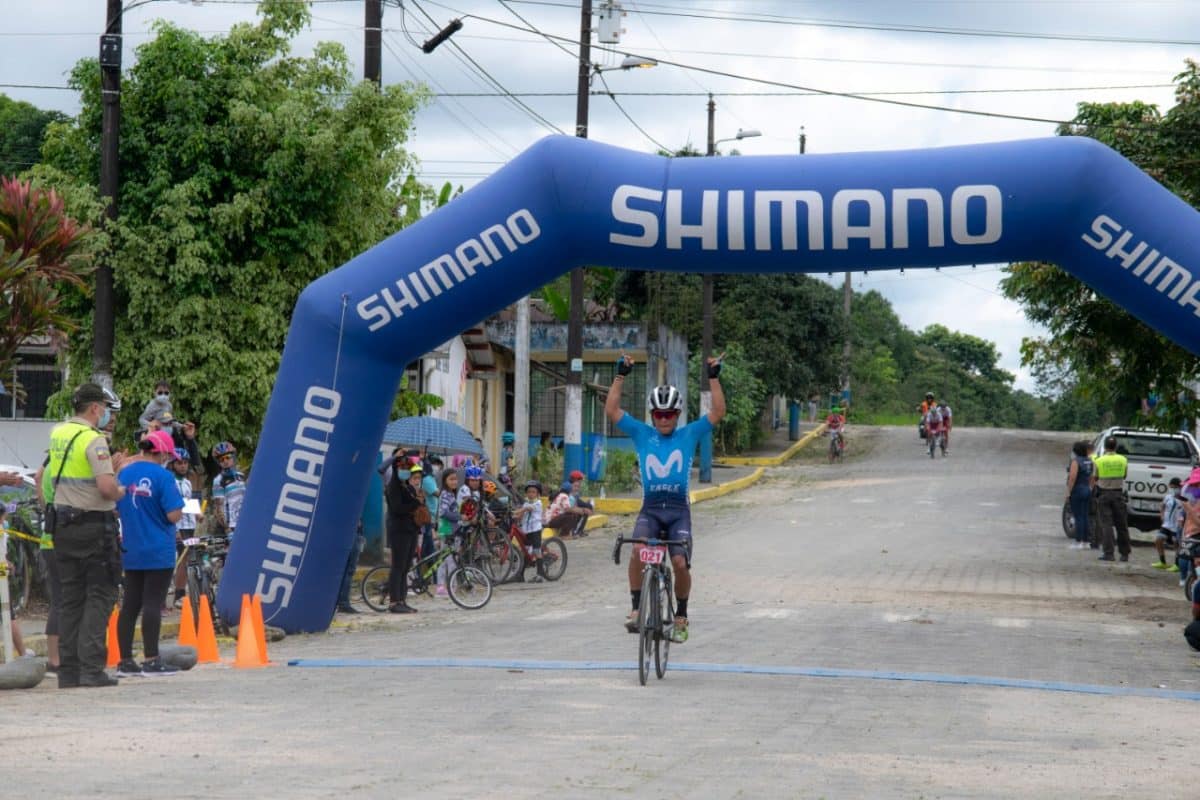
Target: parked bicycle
(24,541)
(656,613)
(469,586)
(205,561)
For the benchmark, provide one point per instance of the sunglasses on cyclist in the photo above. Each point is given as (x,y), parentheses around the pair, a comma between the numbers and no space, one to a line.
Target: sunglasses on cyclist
(664,414)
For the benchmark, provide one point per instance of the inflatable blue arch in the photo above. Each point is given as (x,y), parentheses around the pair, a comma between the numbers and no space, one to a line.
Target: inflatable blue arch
(567,202)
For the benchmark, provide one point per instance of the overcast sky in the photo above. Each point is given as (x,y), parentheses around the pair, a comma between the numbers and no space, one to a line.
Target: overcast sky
(843,45)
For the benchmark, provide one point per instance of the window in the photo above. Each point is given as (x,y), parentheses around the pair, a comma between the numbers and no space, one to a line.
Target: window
(548,398)
(1154,448)
(39,376)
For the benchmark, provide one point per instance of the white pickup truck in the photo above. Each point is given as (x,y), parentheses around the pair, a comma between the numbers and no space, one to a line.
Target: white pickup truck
(1154,458)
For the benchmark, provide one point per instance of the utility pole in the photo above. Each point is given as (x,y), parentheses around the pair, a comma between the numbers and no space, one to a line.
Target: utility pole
(103,319)
(706,454)
(573,423)
(372,33)
(521,388)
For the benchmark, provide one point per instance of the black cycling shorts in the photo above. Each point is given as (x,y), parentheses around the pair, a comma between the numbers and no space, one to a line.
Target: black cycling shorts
(671,524)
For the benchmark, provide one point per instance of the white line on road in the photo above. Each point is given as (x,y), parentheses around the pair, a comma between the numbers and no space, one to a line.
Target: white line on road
(989,505)
(557,614)
(1049,508)
(1010,622)
(863,500)
(770,613)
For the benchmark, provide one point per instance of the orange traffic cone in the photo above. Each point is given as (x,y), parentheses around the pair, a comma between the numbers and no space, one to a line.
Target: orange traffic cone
(248,655)
(187,624)
(260,629)
(114,649)
(206,637)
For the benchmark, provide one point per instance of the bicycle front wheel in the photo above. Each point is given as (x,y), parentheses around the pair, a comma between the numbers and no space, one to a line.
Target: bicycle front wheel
(469,587)
(554,559)
(647,625)
(376,588)
(666,617)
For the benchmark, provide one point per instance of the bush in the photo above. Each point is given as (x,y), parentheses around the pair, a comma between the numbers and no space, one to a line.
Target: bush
(547,467)
(620,471)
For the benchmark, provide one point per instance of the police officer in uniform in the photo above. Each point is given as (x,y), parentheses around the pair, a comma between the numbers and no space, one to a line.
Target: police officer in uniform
(1110,490)
(82,484)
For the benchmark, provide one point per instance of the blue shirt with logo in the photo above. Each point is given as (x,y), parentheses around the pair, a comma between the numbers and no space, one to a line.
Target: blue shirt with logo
(665,461)
(147,538)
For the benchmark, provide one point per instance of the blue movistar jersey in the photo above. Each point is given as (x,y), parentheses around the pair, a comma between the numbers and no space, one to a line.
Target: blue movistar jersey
(665,461)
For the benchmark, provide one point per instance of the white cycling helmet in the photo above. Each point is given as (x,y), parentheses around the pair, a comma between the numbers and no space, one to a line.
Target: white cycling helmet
(665,398)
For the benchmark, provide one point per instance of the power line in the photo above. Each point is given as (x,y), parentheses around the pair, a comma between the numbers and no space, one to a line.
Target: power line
(779,19)
(488,76)
(632,122)
(783,84)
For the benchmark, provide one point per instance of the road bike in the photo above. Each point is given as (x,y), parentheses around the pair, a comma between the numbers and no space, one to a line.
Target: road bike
(205,561)
(24,542)
(656,612)
(469,586)
(837,447)
(936,439)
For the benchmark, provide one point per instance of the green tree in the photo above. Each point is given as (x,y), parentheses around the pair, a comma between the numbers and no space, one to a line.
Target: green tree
(246,173)
(22,128)
(745,397)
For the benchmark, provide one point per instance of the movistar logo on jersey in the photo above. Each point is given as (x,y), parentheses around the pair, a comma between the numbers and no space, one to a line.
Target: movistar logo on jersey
(660,470)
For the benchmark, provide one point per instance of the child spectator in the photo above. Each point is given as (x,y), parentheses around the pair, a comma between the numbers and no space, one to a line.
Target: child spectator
(531,517)
(158,404)
(228,489)
(447,522)
(186,527)
(1191,524)
(568,513)
(1172,525)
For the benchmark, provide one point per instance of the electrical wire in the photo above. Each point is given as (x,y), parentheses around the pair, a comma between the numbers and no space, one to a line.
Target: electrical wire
(489,143)
(784,84)
(632,122)
(779,19)
(488,76)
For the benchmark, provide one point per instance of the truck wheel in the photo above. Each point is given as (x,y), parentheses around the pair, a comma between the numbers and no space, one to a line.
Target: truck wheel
(1068,520)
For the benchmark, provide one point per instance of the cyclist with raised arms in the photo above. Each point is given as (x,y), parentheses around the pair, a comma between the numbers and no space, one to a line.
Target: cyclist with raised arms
(665,453)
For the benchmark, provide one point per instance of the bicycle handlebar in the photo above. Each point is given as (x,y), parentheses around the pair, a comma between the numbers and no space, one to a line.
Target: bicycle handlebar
(651,542)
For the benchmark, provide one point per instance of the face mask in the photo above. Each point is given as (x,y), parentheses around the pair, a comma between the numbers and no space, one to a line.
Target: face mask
(105,418)
(163,396)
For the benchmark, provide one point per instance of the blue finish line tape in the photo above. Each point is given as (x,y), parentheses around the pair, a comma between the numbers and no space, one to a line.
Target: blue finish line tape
(750,669)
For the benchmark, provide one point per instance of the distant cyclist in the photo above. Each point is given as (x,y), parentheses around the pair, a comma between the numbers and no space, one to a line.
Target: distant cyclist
(665,454)
(947,424)
(934,427)
(835,425)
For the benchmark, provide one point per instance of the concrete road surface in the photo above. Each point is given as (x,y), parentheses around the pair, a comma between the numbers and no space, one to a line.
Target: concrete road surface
(887,567)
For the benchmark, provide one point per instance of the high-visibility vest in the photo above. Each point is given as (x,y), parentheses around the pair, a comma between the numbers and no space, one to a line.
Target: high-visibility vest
(77,467)
(1111,465)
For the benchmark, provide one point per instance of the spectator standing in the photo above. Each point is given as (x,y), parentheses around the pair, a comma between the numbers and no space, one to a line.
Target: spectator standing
(568,513)
(1110,486)
(1080,479)
(447,523)
(185,527)
(429,488)
(404,498)
(228,489)
(81,493)
(531,518)
(1171,531)
(50,570)
(149,511)
(158,404)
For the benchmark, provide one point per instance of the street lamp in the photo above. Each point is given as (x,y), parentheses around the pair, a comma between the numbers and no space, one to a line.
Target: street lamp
(705,394)
(573,419)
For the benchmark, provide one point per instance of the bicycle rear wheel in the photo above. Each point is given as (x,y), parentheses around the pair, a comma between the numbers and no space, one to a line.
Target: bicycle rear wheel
(469,587)
(376,588)
(647,623)
(20,577)
(554,559)
(666,617)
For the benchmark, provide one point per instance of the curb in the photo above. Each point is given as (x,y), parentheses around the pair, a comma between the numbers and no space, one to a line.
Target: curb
(631,505)
(774,461)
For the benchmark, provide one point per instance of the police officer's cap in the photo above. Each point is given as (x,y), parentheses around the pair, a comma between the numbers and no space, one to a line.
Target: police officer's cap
(89,393)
